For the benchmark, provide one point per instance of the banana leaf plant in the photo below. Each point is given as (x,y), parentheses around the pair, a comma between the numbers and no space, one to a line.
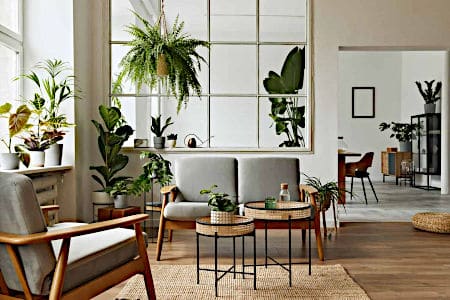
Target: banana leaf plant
(287,114)
(111,137)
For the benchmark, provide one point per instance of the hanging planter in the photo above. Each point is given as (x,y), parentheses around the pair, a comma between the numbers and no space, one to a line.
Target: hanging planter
(158,54)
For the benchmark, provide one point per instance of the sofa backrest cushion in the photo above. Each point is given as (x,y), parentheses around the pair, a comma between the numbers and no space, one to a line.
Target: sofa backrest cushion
(260,177)
(20,214)
(193,174)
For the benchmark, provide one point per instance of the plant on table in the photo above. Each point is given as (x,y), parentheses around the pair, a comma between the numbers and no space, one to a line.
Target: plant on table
(159,55)
(403,132)
(286,112)
(429,94)
(219,201)
(111,137)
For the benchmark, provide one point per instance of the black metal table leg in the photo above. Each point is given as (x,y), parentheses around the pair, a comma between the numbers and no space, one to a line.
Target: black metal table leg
(234,257)
(265,242)
(198,260)
(309,244)
(254,260)
(290,254)
(243,257)
(215,262)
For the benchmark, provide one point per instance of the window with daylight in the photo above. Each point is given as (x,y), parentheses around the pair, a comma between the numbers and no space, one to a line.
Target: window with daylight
(10,55)
(241,107)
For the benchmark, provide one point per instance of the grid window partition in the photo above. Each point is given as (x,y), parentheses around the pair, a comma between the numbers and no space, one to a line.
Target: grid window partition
(248,39)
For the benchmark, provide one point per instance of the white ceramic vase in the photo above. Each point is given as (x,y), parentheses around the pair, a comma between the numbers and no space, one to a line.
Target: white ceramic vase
(9,161)
(53,155)
(100,197)
(37,158)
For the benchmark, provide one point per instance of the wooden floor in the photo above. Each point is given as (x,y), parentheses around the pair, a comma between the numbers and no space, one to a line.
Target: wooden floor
(389,260)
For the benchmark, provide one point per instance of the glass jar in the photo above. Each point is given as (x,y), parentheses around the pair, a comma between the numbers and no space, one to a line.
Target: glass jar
(284,193)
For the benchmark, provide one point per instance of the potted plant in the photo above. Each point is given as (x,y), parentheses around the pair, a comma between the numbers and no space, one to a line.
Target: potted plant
(111,137)
(403,132)
(222,207)
(17,122)
(155,170)
(173,140)
(286,112)
(158,139)
(120,192)
(157,54)
(430,95)
(53,88)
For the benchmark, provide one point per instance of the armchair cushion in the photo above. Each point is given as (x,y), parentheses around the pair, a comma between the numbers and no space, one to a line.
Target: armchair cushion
(193,174)
(260,177)
(186,211)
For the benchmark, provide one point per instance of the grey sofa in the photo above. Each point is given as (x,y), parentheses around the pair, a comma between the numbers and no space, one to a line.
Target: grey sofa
(69,260)
(247,179)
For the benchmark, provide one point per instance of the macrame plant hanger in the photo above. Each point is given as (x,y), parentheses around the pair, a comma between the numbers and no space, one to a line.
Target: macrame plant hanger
(161,63)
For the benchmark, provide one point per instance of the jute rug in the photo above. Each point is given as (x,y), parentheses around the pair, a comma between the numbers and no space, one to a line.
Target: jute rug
(179,282)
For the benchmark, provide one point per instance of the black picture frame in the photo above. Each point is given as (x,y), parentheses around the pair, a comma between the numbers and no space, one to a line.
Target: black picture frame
(363,102)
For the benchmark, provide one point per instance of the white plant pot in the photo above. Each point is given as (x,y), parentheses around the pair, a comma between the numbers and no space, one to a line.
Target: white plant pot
(100,197)
(53,155)
(9,161)
(37,158)
(172,143)
(121,201)
(222,217)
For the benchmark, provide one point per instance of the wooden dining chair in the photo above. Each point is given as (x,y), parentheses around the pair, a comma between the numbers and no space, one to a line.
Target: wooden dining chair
(359,170)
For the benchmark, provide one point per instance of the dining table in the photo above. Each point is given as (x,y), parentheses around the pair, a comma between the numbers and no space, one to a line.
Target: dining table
(341,172)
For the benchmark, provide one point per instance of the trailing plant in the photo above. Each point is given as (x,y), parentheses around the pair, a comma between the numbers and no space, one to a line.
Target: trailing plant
(286,112)
(155,170)
(156,125)
(111,137)
(430,95)
(151,43)
(403,132)
(219,201)
(17,122)
(326,192)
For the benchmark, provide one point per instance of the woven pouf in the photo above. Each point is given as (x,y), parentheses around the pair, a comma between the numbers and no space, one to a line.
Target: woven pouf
(432,221)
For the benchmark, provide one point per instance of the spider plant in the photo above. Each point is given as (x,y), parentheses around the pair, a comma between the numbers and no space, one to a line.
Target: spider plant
(150,43)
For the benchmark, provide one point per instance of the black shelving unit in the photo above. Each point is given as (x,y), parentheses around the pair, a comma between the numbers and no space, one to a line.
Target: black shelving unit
(426,147)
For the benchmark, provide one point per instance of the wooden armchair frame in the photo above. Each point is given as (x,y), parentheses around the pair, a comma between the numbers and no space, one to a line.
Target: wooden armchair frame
(306,192)
(140,265)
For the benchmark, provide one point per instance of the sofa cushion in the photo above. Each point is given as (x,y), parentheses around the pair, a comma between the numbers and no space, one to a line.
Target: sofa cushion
(193,174)
(260,177)
(94,254)
(186,211)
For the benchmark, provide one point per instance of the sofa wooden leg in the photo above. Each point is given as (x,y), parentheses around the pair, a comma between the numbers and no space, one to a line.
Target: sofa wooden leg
(170,235)
(159,243)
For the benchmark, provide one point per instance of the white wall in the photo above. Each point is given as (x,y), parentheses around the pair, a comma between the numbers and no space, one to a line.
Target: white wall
(381,70)
(48,34)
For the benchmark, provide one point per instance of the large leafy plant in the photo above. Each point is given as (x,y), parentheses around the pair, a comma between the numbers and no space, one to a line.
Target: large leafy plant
(178,49)
(430,94)
(155,170)
(403,132)
(286,113)
(111,137)
(219,201)
(17,121)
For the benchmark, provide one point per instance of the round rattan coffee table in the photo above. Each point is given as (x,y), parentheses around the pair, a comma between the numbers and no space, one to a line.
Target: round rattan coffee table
(284,211)
(238,227)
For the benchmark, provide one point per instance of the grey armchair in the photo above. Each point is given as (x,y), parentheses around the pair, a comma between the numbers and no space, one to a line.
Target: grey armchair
(69,260)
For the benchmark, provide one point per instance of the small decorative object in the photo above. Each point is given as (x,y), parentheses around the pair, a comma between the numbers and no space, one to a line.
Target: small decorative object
(111,138)
(403,132)
(17,121)
(363,102)
(222,207)
(430,95)
(190,140)
(284,193)
(158,139)
(140,143)
(173,140)
(391,149)
(270,202)
(286,112)
(157,54)
(342,145)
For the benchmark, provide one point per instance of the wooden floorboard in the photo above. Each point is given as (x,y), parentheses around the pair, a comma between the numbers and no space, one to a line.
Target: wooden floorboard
(389,260)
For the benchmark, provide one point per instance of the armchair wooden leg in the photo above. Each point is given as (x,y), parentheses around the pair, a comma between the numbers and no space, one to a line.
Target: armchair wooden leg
(319,240)
(148,279)
(60,270)
(17,263)
(159,243)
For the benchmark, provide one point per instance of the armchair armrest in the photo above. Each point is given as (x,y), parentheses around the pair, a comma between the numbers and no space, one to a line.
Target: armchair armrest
(311,191)
(48,208)
(20,239)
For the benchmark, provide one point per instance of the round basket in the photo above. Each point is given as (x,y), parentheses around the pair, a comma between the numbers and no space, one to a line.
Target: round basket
(432,221)
(282,211)
(237,227)
(219,217)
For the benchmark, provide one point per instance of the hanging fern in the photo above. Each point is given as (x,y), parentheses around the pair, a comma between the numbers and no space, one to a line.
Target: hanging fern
(139,64)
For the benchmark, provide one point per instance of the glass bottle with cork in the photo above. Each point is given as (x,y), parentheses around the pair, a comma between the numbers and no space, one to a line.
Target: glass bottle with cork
(284,193)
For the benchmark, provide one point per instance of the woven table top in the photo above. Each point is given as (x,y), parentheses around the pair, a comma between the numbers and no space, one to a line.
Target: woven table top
(238,226)
(283,210)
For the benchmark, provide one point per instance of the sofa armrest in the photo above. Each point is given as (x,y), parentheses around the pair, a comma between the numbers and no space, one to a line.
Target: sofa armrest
(168,189)
(22,239)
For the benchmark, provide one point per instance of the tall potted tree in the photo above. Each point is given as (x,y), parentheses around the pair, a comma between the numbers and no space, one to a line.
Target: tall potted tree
(111,137)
